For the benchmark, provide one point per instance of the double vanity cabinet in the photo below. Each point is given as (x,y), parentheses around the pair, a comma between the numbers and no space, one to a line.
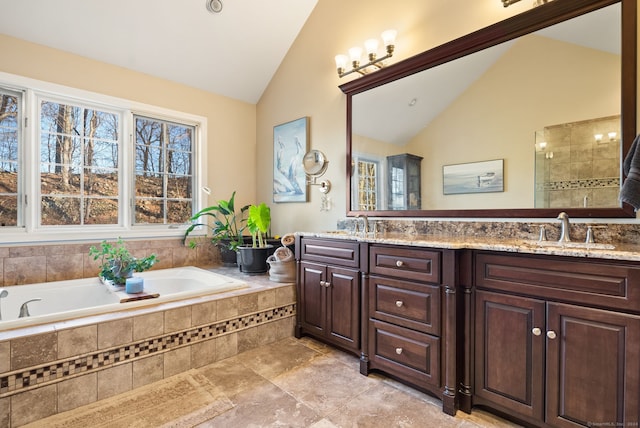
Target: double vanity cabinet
(548,340)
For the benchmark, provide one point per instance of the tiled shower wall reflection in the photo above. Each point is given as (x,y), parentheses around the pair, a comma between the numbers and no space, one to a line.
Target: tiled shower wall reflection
(578,164)
(30,264)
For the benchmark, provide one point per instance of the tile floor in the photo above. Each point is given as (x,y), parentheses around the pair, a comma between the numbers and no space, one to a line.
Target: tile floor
(290,383)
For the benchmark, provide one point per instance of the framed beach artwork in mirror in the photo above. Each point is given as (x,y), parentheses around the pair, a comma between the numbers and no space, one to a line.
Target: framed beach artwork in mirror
(473,177)
(290,143)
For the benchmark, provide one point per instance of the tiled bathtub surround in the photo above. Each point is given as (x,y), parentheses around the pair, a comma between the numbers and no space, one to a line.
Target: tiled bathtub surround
(604,232)
(31,264)
(59,367)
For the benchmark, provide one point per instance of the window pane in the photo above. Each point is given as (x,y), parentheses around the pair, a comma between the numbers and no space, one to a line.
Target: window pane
(100,182)
(60,211)
(60,179)
(149,186)
(178,210)
(149,211)
(179,186)
(79,157)
(8,210)
(9,151)
(100,211)
(164,172)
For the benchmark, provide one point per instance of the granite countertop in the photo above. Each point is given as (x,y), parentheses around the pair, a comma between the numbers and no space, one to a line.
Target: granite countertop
(612,251)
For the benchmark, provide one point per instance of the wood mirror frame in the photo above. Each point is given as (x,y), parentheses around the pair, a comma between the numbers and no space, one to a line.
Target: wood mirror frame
(527,22)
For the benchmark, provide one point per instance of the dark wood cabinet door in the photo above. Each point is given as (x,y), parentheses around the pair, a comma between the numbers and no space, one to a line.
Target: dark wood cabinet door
(509,359)
(312,300)
(343,307)
(592,367)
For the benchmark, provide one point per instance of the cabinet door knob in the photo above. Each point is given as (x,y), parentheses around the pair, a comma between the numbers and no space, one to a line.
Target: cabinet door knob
(322,283)
(536,331)
(398,351)
(551,334)
(399,303)
(399,263)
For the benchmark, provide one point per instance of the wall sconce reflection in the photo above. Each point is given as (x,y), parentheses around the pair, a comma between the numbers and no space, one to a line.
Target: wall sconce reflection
(371,47)
(612,137)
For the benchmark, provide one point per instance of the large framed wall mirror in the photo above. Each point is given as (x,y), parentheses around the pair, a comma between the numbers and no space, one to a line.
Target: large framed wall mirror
(551,92)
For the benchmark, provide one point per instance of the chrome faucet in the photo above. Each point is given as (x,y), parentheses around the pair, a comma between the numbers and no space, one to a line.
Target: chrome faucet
(565,227)
(365,224)
(24,309)
(3,293)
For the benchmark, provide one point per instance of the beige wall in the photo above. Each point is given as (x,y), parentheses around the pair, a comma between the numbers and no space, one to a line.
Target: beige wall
(306,83)
(231,123)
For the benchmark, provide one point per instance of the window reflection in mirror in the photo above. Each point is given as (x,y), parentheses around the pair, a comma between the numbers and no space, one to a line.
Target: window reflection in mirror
(491,105)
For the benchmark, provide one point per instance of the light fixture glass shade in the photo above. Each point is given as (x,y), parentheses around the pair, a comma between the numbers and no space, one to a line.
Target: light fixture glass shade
(341,61)
(612,135)
(355,53)
(371,46)
(598,137)
(389,37)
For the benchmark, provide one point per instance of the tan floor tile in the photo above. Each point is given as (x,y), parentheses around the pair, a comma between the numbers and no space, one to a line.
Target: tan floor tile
(265,405)
(324,385)
(274,359)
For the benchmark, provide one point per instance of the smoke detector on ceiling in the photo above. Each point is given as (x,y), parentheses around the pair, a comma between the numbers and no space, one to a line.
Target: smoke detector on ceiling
(214,6)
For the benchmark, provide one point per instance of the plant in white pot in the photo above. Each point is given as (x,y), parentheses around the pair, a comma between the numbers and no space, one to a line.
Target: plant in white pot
(253,258)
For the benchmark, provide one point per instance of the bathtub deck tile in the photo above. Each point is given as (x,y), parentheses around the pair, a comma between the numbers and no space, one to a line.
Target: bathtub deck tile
(77,341)
(33,350)
(115,380)
(114,333)
(5,356)
(78,391)
(148,370)
(149,325)
(177,319)
(204,313)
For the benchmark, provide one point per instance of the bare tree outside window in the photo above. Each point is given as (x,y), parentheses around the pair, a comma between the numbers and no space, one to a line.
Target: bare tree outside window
(78,165)
(10,104)
(164,171)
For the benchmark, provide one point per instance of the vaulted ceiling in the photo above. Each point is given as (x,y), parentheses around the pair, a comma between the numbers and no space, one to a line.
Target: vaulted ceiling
(233,53)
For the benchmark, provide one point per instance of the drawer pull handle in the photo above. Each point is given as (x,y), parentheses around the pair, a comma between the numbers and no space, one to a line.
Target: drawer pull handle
(551,334)
(398,351)
(399,263)
(536,331)
(399,303)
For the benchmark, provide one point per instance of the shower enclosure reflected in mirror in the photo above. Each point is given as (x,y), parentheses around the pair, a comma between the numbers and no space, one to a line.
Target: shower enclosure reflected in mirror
(488,96)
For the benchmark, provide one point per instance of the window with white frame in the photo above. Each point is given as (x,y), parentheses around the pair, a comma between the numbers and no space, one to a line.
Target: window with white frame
(10,110)
(71,161)
(164,171)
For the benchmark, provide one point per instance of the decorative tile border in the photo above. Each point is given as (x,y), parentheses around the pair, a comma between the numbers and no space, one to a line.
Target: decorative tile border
(587,183)
(28,378)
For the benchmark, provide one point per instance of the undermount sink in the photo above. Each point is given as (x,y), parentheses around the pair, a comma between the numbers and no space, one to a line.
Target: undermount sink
(578,245)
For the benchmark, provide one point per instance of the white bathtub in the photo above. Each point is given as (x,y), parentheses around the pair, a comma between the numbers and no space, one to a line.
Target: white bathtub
(63,300)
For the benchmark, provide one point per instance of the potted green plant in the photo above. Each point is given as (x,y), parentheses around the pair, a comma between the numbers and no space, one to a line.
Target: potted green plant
(227,227)
(117,263)
(253,258)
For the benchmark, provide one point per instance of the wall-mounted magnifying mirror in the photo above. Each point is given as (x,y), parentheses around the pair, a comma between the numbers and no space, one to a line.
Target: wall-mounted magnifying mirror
(315,164)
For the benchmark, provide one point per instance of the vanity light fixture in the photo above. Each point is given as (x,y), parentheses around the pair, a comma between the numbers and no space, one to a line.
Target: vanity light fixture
(612,136)
(536,3)
(598,138)
(371,47)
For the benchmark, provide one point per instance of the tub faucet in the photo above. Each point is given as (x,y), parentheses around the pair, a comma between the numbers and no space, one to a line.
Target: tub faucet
(24,309)
(565,228)
(3,293)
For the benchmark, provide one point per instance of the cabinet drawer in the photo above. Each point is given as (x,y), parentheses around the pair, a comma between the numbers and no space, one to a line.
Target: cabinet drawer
(335,252)
(406,353)
(595,282)
(407,263)
(409,304)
